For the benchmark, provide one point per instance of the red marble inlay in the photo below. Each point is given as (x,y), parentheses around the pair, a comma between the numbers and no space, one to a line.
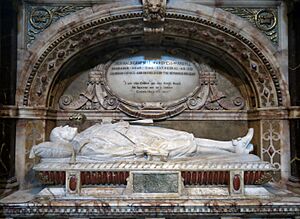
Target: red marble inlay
(236,182)
(73,183)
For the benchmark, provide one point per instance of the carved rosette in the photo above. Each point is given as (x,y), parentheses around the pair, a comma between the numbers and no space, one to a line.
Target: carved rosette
(106,91)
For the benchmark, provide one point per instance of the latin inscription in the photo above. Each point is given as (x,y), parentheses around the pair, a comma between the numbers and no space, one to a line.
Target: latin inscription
(140,80)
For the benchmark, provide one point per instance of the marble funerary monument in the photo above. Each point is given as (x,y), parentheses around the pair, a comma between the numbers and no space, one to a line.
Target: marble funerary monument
(152,108)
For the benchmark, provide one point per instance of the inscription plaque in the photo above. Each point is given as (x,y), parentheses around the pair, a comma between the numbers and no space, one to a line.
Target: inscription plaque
(152,76)
(155,182)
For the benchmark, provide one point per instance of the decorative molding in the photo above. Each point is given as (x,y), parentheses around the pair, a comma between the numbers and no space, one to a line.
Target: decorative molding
(100,208)
(40,17)
(264,19)
(72,42)
(193,165)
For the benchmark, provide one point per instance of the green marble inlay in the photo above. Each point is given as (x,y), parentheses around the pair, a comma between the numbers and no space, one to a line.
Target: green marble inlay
(155,182)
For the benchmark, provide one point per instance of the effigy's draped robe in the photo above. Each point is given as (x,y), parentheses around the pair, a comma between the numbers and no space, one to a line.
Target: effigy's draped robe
(125,140)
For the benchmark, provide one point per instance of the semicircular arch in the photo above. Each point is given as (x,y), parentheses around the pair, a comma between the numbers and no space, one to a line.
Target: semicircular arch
(216,28)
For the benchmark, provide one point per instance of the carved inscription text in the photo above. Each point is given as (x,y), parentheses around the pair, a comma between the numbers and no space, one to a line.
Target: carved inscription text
(139,79)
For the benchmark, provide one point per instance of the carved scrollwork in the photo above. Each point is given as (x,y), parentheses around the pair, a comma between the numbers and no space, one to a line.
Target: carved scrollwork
(111,103)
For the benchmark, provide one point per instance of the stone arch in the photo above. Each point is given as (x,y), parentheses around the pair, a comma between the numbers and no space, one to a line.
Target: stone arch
(219,29)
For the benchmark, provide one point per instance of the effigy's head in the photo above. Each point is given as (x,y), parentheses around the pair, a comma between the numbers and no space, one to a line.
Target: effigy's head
(63,133)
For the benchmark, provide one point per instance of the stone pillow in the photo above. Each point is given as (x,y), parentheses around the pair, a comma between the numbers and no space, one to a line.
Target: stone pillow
(51,150)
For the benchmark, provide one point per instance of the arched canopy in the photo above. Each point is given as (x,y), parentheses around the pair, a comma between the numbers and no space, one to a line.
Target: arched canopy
(221,34)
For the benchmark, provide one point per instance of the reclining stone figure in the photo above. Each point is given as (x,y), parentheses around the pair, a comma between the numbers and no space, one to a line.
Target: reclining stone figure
(121,140)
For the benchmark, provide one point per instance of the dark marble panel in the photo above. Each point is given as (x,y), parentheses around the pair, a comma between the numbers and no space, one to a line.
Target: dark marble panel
(155,182)
(294,81)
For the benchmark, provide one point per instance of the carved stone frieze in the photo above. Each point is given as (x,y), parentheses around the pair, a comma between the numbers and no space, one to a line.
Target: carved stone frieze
(265,19)
(41,17)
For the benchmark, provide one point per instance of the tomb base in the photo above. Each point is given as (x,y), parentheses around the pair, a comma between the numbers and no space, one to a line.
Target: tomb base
(211,201)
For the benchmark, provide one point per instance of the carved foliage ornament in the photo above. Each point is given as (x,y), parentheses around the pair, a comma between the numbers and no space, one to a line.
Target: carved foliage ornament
(152,88)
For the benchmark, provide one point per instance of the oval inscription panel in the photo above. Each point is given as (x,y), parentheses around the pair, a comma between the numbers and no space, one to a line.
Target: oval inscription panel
(152,76)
